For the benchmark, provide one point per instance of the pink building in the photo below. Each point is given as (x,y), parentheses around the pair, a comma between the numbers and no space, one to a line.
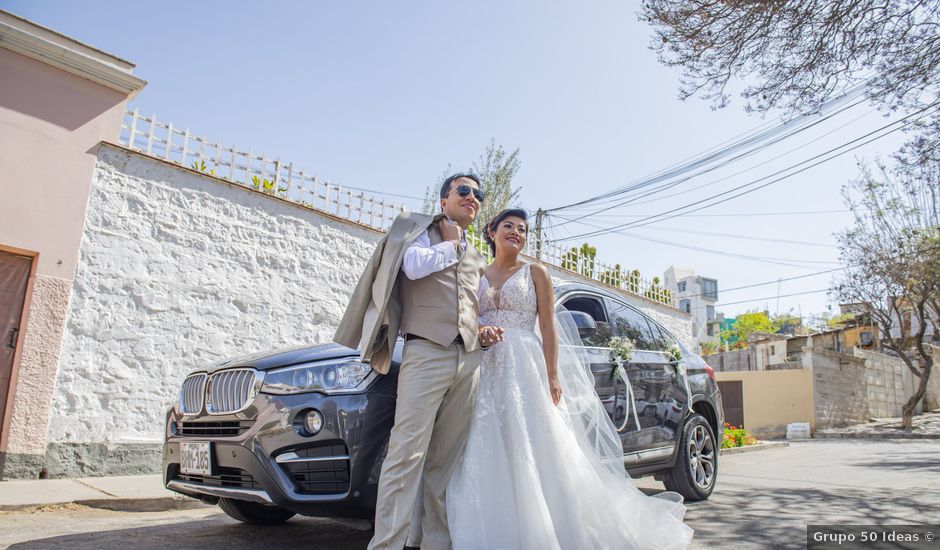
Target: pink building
(58,99)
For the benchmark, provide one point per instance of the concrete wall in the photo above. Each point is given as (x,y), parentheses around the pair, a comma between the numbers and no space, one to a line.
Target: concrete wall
(852,389)
(733,360)
(179,269)
(49,120)
(770,353)
(889,383)
(773,399)
(839,387)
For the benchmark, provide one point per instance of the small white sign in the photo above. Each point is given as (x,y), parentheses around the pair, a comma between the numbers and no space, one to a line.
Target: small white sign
(798,430)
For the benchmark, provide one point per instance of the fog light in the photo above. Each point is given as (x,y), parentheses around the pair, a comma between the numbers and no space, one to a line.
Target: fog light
(313,422)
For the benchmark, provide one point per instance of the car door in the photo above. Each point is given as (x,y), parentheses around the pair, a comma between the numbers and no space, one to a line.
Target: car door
(653,380)
(596,347)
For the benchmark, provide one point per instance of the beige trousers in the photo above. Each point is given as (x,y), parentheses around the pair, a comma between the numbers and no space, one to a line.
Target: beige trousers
(436,389)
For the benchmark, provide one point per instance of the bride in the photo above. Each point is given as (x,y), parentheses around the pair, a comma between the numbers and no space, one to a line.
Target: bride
(543,465)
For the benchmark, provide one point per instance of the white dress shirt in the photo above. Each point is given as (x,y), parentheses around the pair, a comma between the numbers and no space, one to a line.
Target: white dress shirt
(422,258)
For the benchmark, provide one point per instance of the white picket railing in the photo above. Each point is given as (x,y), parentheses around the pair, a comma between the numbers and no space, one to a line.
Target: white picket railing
(271,176)
(571,259)
(281,179)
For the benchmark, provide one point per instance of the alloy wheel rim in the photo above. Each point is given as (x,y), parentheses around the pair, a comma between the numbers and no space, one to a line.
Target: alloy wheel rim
(701,457)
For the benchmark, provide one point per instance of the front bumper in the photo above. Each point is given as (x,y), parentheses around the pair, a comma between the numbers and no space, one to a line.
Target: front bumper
(262,455)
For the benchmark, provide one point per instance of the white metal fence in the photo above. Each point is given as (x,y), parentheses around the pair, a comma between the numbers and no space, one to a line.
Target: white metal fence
(271,176)
(282,179)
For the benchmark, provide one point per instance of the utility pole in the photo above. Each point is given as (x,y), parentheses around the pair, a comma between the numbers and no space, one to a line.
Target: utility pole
(538,233)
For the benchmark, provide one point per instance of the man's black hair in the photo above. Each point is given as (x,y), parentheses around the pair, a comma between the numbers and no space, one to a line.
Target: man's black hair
(445,187)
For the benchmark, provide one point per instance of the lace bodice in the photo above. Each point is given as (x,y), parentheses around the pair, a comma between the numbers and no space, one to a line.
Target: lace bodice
(512,306)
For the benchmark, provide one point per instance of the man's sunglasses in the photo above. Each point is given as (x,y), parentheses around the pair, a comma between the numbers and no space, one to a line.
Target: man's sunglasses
(463,190)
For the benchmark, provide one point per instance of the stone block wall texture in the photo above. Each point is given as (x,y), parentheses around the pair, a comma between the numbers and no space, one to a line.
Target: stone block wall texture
(885,378)
(840,391)
(852,389)
(178,269)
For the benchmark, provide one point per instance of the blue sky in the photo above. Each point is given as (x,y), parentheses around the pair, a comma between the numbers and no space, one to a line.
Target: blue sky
(385,96)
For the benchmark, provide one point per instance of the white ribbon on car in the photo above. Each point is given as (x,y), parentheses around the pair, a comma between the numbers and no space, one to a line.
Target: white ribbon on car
(622,373)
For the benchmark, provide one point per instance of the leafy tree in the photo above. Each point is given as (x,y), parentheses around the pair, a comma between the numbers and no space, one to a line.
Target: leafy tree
(891,257)
(796,54)
(432,193)
(839,321)
(748,323)
(708,348)
(495,168)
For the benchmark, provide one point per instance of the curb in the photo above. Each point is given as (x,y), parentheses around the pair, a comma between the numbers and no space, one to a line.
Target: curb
(752,448)
(157,504)
(877,435)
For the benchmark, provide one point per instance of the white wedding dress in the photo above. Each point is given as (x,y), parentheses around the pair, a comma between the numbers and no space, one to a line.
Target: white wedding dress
(531,476)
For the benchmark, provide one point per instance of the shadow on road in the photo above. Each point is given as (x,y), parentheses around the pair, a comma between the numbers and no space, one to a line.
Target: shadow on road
(214,533)
(777,518)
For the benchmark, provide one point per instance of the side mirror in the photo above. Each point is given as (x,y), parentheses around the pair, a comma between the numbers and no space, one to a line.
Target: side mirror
(585,323)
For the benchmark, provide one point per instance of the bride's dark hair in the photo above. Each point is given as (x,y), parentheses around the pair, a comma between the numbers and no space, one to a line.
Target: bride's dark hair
(491,225)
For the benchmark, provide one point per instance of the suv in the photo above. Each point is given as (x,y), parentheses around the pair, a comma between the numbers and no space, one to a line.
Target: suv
(305,430)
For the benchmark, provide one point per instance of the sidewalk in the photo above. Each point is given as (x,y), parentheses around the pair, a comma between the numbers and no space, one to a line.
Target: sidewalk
(124,493)
(925,426)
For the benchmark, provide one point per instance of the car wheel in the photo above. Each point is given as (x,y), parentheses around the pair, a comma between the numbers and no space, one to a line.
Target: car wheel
(254,513)
(696,469)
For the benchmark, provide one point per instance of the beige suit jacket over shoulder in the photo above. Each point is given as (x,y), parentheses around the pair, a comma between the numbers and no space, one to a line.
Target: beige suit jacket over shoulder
(373,316)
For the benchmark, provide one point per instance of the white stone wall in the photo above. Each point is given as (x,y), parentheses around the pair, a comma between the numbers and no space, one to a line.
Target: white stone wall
(179,269)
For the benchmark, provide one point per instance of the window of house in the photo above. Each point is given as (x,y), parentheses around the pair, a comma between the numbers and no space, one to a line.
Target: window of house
(682,286)
(710,312)
(630,323)
(711,330)
(685,305)
(710,288)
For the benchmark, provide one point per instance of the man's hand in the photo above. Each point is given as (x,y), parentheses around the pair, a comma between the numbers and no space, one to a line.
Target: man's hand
(449,231)
(489,335)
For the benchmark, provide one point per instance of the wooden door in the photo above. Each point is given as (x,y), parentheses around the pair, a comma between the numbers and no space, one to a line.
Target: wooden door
(14,276)
(732,400)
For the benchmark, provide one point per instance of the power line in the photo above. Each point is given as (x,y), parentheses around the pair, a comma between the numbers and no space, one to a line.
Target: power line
(757,139)
(746,237)
(752,214)
(662,215)
(775,281)
(763,259)
(773,297)
(633,199)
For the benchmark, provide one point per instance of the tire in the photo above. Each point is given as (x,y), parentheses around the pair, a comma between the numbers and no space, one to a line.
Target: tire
(696,470)
(254,513)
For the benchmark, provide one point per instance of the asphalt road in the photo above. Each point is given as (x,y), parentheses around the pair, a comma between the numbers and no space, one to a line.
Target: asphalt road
(764,499)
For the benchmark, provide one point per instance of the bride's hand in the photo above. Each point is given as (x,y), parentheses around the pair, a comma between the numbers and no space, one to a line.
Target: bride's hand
(555,389)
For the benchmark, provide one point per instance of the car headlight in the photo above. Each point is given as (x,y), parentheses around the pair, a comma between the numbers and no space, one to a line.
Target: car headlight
(329,377)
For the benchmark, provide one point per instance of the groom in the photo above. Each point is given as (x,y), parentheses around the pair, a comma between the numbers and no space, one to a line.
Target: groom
(422,281)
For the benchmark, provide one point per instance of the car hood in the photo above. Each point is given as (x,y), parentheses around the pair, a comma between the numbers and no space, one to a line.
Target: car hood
(266,360)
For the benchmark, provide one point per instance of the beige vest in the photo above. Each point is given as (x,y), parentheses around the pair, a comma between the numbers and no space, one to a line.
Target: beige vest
(443,305)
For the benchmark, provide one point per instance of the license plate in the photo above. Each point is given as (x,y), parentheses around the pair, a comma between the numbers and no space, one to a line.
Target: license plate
(196,458)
